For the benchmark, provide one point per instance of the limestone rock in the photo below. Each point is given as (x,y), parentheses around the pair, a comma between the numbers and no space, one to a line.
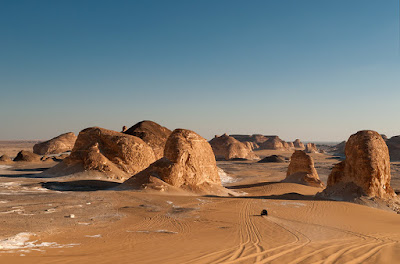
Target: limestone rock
(57,145)
(298,144)
(228,148)
(301,170)
(28,156)
(256,138)
(367,165)
(103,153)
(311,148)
(5,158)
(251,145)
(153,134)
(188,164)
(394,148)
(275,143)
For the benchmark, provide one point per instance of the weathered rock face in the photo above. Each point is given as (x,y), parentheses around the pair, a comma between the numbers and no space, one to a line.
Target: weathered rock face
(274,142)
(367,165)
(251,145)
(256,138)
(28,156)
(5,158)
(394,148)
(339,148)
(226,147)
(291,145)
(273,159)
(107,154)
(311,148)
(57,145)
(153,134)
(298,144)
(301,170)
(188,163)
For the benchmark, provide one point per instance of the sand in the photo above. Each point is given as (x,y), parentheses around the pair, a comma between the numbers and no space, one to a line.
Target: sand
(50,223)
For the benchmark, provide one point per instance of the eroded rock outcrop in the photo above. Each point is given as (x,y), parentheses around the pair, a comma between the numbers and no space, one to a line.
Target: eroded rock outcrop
(298,144)
(105,154)
(153,134)
(27,156)
(311,148)
(273,159)
(367,166)
(5,158)
(274,143)
(394,148)
(62,143)
(228,148)
(301,170)
(188,164)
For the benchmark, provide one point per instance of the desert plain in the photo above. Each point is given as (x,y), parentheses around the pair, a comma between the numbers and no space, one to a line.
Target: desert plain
(53,220)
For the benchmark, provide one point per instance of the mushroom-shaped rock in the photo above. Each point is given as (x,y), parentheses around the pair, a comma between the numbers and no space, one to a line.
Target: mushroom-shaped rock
(28,156)
(153,134)
(298,144)
(62,143)
(367,165)
(226,147)
(5,158)
(311,148)
(301,170)
(105,154)
(188,164)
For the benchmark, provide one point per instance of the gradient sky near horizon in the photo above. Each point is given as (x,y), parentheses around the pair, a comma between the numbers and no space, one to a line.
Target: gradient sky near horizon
(318,70)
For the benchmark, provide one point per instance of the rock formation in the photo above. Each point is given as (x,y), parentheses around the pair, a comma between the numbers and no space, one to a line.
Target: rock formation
(188,164)
(62,143)
(275,143)
(311,148)
(105,154)
(256,138)
(301,170)
(153,134)
(251,145)
(298,144)
(273,159)
(5,158)
(28,156)
(367,166)
(124,128)
(228,148)
(394,148)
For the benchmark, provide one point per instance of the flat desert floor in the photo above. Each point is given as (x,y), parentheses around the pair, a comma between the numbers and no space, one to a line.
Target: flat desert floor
(44,221)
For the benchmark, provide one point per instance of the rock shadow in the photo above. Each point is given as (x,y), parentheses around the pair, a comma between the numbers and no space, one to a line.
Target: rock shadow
(80,186)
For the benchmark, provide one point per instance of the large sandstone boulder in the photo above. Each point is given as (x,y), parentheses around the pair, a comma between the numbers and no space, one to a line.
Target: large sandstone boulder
(153,134)
(57,145)
(311,148)
(188,164)
(367,165)
(28,156)
(298,144)
(301,170)
(228,148)
(394,148)
(105,154)
(5,158)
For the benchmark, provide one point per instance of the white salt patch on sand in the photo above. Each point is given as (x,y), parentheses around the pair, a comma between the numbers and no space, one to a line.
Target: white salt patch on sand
(169,202)
(21,243)
(155,231)
(3,202)
(295,204)
(80,223)
(93,236)
(5,167)
(225,179)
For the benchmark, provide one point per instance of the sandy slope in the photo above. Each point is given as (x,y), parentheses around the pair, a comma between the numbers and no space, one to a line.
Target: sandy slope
(136,227)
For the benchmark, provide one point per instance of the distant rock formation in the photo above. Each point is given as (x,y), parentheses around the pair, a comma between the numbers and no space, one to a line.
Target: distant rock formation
(62,143)
(251,145)
(28,156)
(366,168)
(256,138)
(275,143)
(273,159)
(394,148)
(105,154)
(339,148)
(298,144)
(291,145)
(153,134)
(311,148)
(188,164)
(301,170)
(5,158)
(228,148)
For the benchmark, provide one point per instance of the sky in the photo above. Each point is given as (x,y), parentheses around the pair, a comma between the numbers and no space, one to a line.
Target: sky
(318,70)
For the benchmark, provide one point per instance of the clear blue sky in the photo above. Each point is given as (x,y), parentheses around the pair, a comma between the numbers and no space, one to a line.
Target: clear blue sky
(314,70)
